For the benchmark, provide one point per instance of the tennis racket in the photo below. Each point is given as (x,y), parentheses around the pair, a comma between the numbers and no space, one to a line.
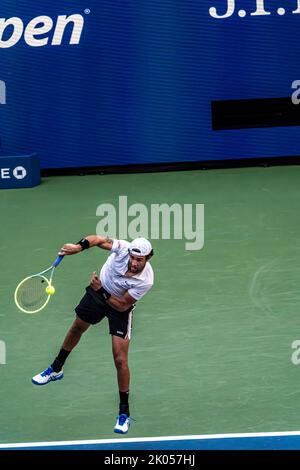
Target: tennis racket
(31,295)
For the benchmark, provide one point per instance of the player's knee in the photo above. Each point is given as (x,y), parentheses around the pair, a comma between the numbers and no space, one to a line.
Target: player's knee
(77,329)
(120,361)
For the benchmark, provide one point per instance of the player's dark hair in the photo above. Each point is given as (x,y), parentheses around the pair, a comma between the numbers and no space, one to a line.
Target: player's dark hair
(138,251)
(150,255)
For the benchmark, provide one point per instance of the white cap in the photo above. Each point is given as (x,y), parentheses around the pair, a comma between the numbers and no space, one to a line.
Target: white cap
(140,247)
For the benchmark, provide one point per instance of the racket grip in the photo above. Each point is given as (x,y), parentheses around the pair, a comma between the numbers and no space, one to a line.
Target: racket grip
(58,260)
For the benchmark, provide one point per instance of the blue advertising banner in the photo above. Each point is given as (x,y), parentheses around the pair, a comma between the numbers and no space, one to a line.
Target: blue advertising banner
(102,82)
(19,172)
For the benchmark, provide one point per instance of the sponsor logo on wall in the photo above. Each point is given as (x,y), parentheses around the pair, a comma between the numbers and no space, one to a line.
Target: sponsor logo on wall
(42,30)
(229,8)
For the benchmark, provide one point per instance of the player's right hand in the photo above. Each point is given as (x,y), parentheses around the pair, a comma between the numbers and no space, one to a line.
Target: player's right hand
(69,249)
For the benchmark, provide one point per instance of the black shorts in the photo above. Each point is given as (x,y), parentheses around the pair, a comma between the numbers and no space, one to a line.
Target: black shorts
(92,309)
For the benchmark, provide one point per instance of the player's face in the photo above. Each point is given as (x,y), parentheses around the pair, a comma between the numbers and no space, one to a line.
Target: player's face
(136,264)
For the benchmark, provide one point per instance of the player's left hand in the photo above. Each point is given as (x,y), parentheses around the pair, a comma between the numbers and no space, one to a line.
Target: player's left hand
(95,282)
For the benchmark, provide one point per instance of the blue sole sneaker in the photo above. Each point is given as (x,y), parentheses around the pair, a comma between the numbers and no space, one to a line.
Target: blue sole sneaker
(48,375)
(122,424)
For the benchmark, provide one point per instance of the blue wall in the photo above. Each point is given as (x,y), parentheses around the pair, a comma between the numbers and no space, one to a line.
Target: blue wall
(138,86)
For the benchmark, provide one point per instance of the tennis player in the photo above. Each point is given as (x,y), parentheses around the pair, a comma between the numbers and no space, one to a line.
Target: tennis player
(125,277)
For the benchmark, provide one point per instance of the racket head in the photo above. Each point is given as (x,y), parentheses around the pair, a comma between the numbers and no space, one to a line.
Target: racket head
(30,294)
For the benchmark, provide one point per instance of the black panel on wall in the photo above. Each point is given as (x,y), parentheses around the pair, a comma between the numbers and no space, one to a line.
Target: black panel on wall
(242,114)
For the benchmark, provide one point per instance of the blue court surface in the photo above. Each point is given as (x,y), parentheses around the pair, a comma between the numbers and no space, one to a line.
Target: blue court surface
(250,441)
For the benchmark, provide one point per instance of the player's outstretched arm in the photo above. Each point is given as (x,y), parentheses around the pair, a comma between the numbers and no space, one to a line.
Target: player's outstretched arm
(88,242)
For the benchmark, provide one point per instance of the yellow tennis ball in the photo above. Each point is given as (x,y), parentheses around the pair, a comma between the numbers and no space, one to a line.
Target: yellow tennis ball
(50,290)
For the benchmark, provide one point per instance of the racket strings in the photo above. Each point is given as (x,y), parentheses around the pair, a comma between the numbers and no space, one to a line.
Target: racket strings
(31,294)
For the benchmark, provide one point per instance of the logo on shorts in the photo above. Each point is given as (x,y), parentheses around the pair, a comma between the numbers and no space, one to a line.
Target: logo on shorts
(120,332)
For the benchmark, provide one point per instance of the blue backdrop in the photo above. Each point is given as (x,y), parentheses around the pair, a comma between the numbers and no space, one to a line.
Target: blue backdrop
(131,81)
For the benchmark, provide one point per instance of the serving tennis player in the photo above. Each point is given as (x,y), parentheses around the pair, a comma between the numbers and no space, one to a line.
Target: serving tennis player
(124,279)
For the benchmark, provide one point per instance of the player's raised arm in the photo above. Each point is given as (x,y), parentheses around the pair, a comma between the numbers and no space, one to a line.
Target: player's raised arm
(105,243)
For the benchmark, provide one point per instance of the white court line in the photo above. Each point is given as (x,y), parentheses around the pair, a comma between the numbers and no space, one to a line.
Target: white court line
(150,439)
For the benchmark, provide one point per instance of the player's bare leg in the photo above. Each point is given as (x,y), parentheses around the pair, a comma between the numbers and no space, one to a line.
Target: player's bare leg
(120,349)
(55,370)
(74,334)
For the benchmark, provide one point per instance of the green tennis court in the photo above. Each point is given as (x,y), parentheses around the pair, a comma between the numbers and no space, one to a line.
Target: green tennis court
(212,342)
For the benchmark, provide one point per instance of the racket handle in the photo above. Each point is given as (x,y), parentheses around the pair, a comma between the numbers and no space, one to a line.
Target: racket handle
(58,260)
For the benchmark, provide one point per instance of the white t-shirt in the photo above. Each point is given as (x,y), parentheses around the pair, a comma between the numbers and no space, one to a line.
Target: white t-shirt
(112,274)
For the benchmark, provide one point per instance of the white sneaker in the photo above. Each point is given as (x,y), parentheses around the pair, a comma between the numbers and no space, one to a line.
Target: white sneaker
(47,376)
(122,424)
